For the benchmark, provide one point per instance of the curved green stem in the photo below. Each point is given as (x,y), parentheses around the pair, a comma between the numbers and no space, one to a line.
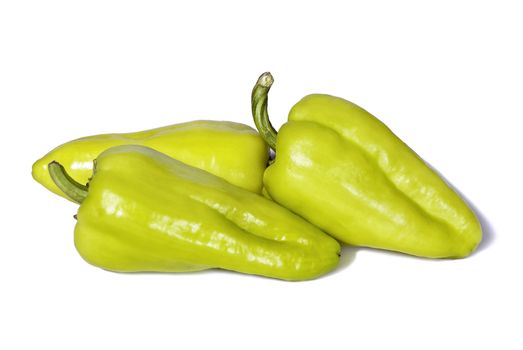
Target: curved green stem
(259,99)
(74,190)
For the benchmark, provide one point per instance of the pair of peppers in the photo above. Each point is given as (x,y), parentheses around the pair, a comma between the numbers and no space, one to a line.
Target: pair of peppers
(188,197)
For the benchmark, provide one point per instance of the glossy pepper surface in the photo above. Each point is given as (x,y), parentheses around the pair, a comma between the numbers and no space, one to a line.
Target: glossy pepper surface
(230,150)
(343,170)
(144,211)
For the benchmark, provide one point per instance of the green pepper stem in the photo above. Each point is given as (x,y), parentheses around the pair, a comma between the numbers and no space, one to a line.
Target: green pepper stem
(259,99)
(74,190)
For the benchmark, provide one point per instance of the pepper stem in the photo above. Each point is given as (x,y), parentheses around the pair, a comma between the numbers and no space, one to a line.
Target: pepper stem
(74,190)
(259,99)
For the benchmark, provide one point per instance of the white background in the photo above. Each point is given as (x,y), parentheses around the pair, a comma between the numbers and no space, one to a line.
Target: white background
(446,76)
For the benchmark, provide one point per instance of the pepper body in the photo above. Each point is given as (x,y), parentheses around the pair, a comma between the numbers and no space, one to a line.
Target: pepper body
(343,170)
(145,211)
(230,150)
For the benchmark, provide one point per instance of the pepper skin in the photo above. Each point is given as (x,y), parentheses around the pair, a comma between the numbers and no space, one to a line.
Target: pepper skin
(343,170)
(145,211)
(230,150)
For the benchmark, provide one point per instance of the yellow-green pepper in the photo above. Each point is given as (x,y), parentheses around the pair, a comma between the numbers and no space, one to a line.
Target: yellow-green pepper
(343,170)
(145,211)
(230,150)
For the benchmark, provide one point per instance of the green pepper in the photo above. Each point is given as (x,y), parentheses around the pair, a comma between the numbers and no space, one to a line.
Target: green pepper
(145,211)
(343,170)
(230,150)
